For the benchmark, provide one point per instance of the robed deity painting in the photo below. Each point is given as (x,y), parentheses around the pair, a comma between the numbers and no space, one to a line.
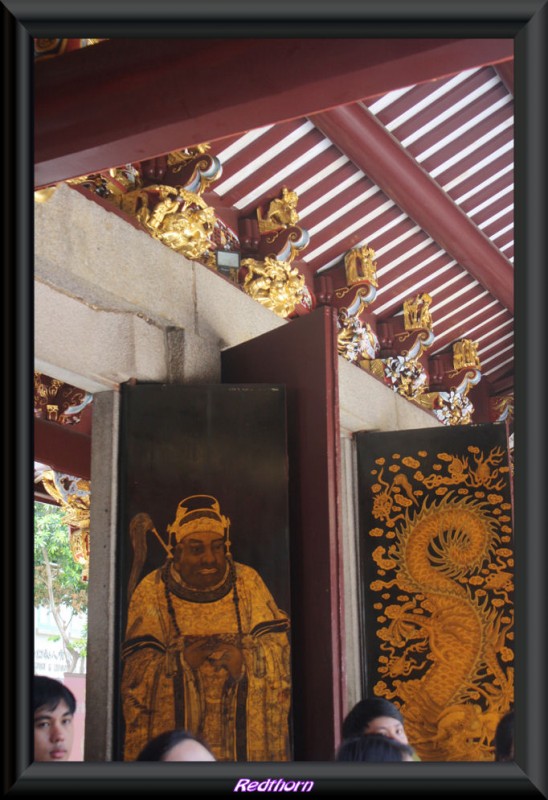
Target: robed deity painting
(205,643)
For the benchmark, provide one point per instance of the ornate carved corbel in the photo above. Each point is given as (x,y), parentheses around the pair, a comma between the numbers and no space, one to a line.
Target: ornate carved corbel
(274,232)
(164,195)
(275,284)
(357,338)
(501,408)
(453,375)
(271,243)
(73,495)
(403,342)
(57,401)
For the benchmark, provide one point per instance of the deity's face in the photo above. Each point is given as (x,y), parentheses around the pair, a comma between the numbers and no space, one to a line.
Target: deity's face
(200,559)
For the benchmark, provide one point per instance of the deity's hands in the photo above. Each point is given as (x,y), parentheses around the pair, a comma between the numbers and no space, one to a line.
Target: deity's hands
(196,653)
(230,657)
(219,653)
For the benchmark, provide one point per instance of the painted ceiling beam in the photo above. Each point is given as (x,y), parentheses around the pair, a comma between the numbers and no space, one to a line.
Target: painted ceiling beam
(361,137)
(62,449)
(125,100)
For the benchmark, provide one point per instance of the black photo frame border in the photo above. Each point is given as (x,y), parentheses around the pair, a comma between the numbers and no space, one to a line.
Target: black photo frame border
(523,20)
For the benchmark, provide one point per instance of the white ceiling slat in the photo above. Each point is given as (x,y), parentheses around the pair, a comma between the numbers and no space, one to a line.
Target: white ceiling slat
(281,174)
(474,171)
(491,331)
(421,284)
(484,184)
(498,367)
(490,201)
(340,212)
(428,277)
(414,250)
(395,242)
(260,161)
(496,344)
(443,288)
(471,148)
(240,144)
(503,212)
(439,145)
(385,228)
(325,198)
(449,112)
(343,234)
(502,231)
(429,99)
(324,173)
(389,98)
(453,297)
(497,355)
(469,317)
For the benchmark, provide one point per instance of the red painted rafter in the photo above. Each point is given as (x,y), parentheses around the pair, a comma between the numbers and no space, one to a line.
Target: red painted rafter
(506,74)
(361,137)
(124,100)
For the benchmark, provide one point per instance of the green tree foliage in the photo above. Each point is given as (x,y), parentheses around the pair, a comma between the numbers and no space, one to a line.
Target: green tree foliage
(58,583)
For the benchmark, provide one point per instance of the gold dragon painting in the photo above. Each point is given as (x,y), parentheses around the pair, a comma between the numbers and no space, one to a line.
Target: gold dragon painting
(439,586)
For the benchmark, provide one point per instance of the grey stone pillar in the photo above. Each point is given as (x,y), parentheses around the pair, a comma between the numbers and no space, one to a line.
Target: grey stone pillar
(352,633)
(101,666)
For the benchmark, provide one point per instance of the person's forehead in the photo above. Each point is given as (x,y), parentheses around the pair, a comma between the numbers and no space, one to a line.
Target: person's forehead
(61,709)
(384,722)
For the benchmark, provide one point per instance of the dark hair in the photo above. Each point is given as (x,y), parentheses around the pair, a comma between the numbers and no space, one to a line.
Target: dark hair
(48,692)
(372,747)
(157,748)
(359,717)
(504,738)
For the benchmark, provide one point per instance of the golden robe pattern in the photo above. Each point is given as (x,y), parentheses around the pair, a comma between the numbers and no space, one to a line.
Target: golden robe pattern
(243,719)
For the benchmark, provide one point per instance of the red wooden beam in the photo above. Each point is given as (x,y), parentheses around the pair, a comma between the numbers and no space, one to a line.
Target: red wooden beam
(505,72)
(62,449)
(124,100)
(360,136)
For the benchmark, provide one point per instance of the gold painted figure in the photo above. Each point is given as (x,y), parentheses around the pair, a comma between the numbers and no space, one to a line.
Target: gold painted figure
(360,266)
(275,284)
(465,354)
(206,646)
(281,212)
(416,312)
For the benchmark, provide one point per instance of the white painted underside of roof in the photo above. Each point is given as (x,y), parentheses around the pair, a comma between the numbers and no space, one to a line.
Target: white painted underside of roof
(429,99)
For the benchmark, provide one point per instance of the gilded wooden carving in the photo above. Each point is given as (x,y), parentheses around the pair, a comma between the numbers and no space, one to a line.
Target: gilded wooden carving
(439,566)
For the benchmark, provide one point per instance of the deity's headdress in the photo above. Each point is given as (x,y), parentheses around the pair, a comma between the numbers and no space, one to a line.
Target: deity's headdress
(197,513)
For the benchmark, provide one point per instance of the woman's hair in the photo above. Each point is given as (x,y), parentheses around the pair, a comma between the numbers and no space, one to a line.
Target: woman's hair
(504,738)
(359,717)
(157,748)
(48,692)
(372,747)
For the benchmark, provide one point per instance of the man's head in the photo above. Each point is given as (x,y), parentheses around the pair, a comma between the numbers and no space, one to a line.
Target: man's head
(175,745)
(504,738)
(201,536)
(373,747)
(53,707)
(374,715)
